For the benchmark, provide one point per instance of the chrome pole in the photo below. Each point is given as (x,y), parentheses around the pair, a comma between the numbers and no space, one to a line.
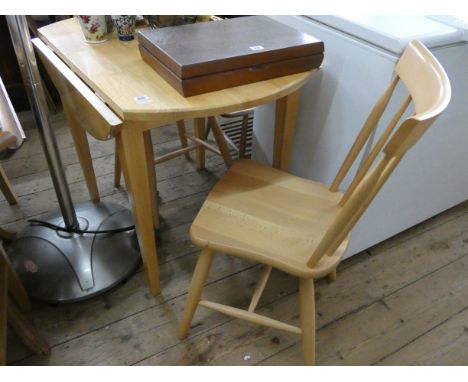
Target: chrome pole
(24,50)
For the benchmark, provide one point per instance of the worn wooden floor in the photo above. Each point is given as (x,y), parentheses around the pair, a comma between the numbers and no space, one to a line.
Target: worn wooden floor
(404,301)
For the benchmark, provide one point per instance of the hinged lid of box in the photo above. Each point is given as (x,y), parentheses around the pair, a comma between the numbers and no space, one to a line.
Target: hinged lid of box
(217,46)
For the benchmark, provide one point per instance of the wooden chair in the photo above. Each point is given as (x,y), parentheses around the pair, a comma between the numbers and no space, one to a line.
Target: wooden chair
(6,140)
(14,304)
(11,138)
(241,136)
(199,145)
(300,226)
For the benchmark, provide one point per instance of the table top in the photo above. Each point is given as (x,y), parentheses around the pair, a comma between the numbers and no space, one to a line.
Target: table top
(135,92)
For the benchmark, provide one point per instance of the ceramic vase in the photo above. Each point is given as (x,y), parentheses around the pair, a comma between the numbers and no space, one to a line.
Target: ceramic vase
(125,26)
(94,28)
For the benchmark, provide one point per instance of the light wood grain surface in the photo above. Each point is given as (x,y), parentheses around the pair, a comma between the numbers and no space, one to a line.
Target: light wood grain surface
(117,73)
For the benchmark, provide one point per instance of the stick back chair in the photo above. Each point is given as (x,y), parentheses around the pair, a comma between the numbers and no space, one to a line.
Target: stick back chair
(300,226)
(199,138)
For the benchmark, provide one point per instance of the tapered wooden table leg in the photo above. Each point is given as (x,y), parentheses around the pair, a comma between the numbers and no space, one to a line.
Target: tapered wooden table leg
(285,126)
(199,132)
(183,136)
(80,140)
(134,161)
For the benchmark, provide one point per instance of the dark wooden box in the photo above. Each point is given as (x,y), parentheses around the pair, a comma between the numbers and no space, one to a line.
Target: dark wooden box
(205,57)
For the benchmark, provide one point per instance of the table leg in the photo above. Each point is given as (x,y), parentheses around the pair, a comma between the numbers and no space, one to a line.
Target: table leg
(5,187)
(152,176)
(285,126)
(199,132)
(80,140)
(183,136)
(134,161)
(221,141)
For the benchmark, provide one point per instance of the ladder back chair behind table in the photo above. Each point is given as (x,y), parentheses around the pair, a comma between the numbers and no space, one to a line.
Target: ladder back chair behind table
(199,139)
(11,139)
(300,226)
(240,130)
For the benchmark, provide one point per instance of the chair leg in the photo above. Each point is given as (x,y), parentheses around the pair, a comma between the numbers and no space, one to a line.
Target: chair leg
(6,188)
(183,137)
(7,235)
(220,141)
(307,307)
(80,140)
(243,137)
(198,281)
(26,331)
(332,275)
(199,132)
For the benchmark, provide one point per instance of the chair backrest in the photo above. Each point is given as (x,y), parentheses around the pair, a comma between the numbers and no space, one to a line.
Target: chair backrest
(9,122)
(79,101)
(429,90)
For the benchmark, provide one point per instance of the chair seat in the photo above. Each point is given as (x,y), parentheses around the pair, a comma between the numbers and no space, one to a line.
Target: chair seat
(269,216)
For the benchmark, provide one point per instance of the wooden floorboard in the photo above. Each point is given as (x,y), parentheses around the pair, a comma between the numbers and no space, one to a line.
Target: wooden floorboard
(404,301)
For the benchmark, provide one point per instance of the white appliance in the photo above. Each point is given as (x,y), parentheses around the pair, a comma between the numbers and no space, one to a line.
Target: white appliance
(360,54)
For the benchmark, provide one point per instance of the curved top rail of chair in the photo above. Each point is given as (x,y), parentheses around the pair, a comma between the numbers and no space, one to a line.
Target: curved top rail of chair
(430,91)
(429,86)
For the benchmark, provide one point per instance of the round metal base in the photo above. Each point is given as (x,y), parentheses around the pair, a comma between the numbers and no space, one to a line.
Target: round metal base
(60,267)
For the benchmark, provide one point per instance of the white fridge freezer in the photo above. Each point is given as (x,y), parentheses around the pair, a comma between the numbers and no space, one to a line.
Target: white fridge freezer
(360,54)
